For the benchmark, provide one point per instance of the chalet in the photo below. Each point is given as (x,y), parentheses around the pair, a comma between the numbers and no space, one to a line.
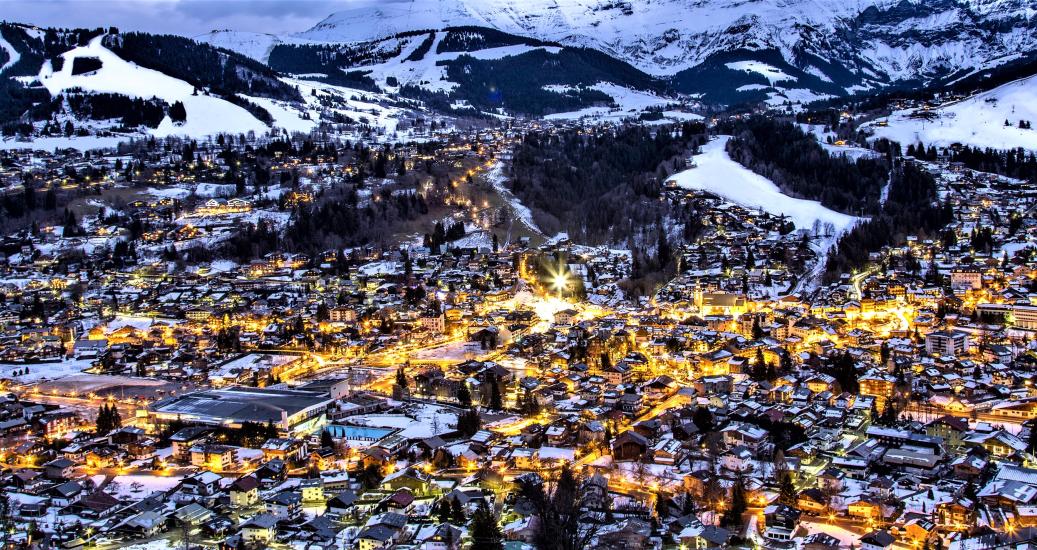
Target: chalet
(629,445)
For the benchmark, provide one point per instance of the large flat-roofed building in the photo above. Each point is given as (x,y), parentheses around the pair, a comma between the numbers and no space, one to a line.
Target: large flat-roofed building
(1025,316)
(287,409)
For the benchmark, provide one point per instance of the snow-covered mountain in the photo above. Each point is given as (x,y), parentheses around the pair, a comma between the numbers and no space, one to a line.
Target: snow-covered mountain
(824,47)
(99,85)
(558,58)
(660,37)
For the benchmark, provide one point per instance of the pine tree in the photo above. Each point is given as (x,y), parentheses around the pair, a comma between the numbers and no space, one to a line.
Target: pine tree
(739,504)
(464,396)
(496,403)
(104,422)
(443,510)
(326,441)
(468,422)
(485,533)
(757,331)
(787,494)
(457,515)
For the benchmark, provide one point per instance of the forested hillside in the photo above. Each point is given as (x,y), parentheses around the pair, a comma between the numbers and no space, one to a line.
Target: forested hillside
(222,71)
(517,83)
(601,186)
(796,163)
(912,208)
(470,39)
(18,101)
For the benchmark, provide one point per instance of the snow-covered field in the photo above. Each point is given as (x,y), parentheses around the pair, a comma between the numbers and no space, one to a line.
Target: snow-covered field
(84,143)
(772,74)
(206,115)
(847,538)
(39,372)
(137,486)
(629,103)
(286,115)
(716,173)
(421,421)
(977,121)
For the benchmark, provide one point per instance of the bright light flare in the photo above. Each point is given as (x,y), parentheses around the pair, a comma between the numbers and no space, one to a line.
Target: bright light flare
(559,282)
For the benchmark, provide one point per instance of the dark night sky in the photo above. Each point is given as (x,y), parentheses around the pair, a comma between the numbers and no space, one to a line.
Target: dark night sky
(185,17)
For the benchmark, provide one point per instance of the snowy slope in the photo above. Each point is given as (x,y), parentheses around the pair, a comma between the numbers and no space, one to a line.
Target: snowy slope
(12,54)
(716,173)
(256,45)
(206,115)
(977,121)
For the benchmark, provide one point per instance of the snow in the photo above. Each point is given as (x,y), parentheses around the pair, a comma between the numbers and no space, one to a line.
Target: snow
(716,173)
(12,54)
(771,73)
(160,544)
(84,143)
(473,239)
(422,421)
(629,103)
(138,486)
(40,372)
(350,102)
(429,71)
(256,45)
(453,352)
(215,190)
(168,192)
(216,267)
(379,268)
(977,121)
(206,115)
(519,211)
(795,96)
(846,537)
(136,322)
(286,115)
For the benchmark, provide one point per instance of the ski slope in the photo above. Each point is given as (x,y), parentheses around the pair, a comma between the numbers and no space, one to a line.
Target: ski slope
(978,121)
(429,71)
(206,115)
(12,54)
(716,173)
(256,45)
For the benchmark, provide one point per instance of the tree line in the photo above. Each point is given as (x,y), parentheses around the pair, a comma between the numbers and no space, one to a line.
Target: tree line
(602,185)
(792,159)
(912,208)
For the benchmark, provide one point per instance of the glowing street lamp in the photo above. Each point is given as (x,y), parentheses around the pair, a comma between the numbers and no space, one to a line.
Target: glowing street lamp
(559,282)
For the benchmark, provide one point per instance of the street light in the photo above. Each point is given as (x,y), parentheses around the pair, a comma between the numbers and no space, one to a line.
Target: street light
(559,282)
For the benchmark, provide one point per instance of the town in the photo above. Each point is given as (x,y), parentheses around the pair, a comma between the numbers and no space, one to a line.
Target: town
(174,377)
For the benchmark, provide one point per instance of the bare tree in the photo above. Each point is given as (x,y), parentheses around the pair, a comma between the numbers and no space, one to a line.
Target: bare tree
(564,520)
